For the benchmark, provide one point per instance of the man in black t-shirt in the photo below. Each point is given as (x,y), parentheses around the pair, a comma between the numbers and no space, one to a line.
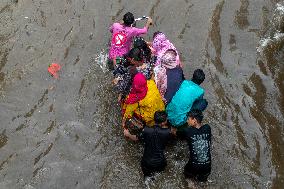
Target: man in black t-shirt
(199,140)
(155,140)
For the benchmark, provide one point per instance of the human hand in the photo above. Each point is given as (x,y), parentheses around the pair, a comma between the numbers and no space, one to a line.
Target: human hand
(126,132)
(143,66)
(115,81)
(174,131)
(150,21)
(119,98)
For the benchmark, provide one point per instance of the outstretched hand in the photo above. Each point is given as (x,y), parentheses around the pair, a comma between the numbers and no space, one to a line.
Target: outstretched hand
(130,136)
(126,133)
(150,21)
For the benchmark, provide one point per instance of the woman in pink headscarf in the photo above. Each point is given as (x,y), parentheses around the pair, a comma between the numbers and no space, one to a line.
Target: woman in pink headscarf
(169,75)
(160,45)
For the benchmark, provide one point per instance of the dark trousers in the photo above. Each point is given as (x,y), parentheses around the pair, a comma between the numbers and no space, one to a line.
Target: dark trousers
(198,172)
(150,170)
(200,104)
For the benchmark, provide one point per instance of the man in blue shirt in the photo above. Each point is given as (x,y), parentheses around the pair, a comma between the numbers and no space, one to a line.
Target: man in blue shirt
(188,97)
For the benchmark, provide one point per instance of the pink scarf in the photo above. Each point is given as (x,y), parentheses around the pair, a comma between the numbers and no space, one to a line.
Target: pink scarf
(138,90)
(161,44)
(168,61)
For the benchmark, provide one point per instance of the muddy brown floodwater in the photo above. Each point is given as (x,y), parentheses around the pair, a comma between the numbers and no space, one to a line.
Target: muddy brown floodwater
(65,133)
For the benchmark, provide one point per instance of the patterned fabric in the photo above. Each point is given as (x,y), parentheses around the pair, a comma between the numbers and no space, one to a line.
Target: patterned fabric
(124,75)
(168,61)
(160,45)
(138,89)
(122,38)
(147,106)
(124,84)
(147,71)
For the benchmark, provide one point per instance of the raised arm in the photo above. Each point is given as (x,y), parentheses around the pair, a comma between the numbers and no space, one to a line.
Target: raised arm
(149,22)
(139,31)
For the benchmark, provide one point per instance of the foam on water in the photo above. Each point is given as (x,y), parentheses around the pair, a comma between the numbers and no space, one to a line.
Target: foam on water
(102,59)
(280,8)
(275,35)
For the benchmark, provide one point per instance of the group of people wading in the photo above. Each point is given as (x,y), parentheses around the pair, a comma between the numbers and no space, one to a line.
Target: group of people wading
(157,100)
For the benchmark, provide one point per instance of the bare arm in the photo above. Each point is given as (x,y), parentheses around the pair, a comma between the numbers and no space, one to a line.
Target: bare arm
(123,123)
(130,136)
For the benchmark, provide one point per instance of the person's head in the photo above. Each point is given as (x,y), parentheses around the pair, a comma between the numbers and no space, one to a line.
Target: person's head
(128,19)
(195,117)
(135,56)
(138,89)
(169,59)
(161,42)
(139,84)
(198,76)
(156,33)
(160,118)
(140,43)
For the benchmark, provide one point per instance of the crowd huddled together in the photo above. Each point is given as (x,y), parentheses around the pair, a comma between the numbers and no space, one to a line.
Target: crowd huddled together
(157,102)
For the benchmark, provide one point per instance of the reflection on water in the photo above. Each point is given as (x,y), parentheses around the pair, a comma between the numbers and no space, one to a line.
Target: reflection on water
(66,133)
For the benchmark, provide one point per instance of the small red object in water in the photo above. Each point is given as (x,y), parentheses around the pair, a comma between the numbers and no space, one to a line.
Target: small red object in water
(53,69)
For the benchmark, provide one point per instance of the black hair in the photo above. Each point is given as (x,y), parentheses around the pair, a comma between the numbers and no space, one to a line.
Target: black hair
(198,76)
(160,117)
(156,33)
(140,43)
(136,54)
(128,19)
(196,114)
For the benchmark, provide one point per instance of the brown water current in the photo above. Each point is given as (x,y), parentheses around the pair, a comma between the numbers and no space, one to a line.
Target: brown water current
(65,133)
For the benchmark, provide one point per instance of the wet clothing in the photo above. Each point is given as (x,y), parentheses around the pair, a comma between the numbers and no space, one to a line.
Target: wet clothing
(199,173)
(121,39)
(146,107)
(176,78)
(148,70)
(182,102)
(168,62)
(200,104)
(199,142)
(155,140)
(160,45)
(149,171)
(123,86)
(138,89)
(125,74)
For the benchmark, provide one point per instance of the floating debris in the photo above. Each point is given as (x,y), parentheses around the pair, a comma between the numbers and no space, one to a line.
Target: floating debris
(53,69)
